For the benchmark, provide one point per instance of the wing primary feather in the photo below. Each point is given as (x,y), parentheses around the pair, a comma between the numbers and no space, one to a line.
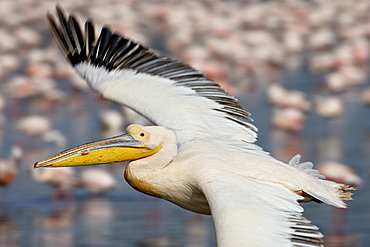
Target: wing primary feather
(146,58)
(57,35)
(226,103)
(203,87)
(219,94)
(235,112)
(89,38)
(122,56)
(245,124)
(69,37)
(186,74)
(124,46)
(192,83)
(124,61)
(161,65)
(306,241)
(220,97)
(137,57)
(76,34)
(305,234)
(116,42)
(208,90)
(65,30)
(307,226)
(157,60)
(300,220)
(105,56)
(194,76)
(77,55)
(97,55)
(171,70)
(220,100)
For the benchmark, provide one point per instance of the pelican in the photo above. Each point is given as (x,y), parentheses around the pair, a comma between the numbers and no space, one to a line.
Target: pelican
(200,155)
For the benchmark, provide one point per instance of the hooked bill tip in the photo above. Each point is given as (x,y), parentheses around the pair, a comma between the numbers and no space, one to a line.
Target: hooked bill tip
(35,165)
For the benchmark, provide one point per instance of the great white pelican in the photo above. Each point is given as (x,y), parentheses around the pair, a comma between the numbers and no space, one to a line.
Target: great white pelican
(201,155)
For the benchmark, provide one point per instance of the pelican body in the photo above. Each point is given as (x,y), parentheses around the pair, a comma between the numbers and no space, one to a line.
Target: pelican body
(201,155)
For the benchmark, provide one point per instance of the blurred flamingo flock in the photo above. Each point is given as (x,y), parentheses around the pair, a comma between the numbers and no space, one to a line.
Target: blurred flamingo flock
(300,67)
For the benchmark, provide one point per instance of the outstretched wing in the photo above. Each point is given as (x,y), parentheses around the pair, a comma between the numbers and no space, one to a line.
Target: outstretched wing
(167,92)
(257,214)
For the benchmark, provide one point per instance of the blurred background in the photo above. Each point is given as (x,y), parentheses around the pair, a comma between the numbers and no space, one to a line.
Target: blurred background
(300,67)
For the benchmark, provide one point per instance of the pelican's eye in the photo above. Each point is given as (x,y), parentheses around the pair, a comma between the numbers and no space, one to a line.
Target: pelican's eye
(138,133)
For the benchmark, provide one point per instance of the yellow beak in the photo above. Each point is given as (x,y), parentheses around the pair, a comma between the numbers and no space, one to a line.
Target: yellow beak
(119,148)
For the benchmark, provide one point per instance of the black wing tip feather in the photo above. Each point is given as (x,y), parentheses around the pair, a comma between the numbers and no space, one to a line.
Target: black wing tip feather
(94,50)
(104,51)
(116,52)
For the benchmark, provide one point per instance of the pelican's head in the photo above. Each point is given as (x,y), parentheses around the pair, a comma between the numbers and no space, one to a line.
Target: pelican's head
(137,143)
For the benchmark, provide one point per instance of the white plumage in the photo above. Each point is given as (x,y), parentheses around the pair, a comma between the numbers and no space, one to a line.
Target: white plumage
(201,156)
